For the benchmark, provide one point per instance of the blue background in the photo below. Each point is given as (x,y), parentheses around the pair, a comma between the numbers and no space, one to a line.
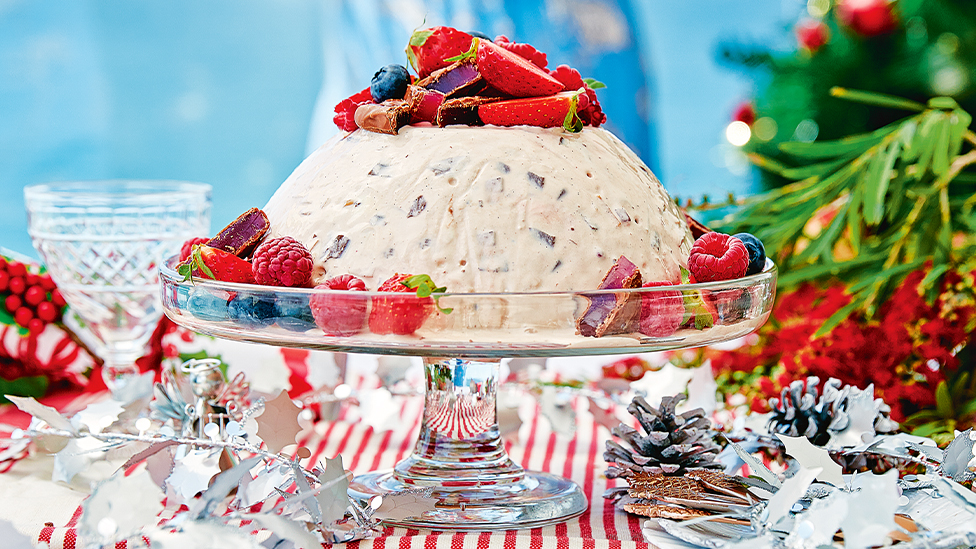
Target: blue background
(235,93)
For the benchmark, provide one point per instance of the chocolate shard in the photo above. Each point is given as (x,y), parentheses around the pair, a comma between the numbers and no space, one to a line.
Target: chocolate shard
(457,80)
(243,234)
(697,227)
(462,110)
(387,117)
(424,104)
(337,248)
(609,314)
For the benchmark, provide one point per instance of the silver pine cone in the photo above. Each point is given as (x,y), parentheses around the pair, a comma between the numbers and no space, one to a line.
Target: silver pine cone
(671,443)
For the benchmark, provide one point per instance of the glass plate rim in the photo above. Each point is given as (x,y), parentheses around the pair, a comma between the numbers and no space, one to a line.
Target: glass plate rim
(768,274)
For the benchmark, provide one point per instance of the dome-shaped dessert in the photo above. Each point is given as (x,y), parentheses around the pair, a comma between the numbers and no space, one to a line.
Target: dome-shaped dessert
(481,209)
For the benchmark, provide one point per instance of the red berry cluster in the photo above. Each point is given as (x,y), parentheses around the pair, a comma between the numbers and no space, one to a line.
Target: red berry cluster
(32,299)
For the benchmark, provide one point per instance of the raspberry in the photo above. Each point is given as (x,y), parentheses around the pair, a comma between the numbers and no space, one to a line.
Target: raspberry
(345,116)
(527,51)
(187,247)
(718,256)
(592,114)
(282,261)
(662,311)
(337,314)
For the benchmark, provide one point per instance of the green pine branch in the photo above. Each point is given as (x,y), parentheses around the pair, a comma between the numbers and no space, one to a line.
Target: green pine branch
(899,196)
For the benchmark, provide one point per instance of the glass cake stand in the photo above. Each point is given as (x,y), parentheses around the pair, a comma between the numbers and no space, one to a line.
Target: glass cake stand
(459,453)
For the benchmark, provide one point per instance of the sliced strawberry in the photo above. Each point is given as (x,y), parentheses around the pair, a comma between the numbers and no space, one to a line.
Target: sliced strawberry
(512,73)
(428,49)
(545,112)
(525,50)
(216,264)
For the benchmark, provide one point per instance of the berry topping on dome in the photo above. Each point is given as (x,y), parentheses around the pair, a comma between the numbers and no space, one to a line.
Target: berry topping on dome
(390,82)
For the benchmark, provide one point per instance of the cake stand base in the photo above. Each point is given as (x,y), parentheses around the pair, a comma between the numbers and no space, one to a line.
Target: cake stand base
(460,458)
(538,499)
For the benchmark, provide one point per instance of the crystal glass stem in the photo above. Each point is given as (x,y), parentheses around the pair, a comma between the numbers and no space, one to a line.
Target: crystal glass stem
(459,437)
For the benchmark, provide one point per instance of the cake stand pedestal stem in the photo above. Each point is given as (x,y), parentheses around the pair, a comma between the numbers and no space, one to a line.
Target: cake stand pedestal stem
(461,458)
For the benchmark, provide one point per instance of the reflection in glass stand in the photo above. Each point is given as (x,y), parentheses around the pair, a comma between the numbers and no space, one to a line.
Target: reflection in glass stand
(461,456)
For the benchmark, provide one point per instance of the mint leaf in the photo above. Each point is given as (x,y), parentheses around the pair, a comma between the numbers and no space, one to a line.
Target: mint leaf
(593,83)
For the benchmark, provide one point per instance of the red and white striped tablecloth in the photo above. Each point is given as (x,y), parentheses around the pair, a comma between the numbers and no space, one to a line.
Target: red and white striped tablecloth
(537,447)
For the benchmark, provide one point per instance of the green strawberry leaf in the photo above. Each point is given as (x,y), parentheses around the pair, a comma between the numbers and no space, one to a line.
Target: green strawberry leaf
(573,123)
(418,39)
(196,261)
(593,83)
(426,287)
(685,275)
(695,308)
(470,54)
(186,271)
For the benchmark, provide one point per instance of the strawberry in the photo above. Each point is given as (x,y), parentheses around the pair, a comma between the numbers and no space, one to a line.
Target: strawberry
(545,112)
(216,264)
(402,314)
(509,72)
(429,49)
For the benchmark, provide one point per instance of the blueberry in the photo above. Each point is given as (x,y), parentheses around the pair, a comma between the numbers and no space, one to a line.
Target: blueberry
(479,34)
(206,306)
(252,311)
(390,82)
(757,253)
(293,313)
